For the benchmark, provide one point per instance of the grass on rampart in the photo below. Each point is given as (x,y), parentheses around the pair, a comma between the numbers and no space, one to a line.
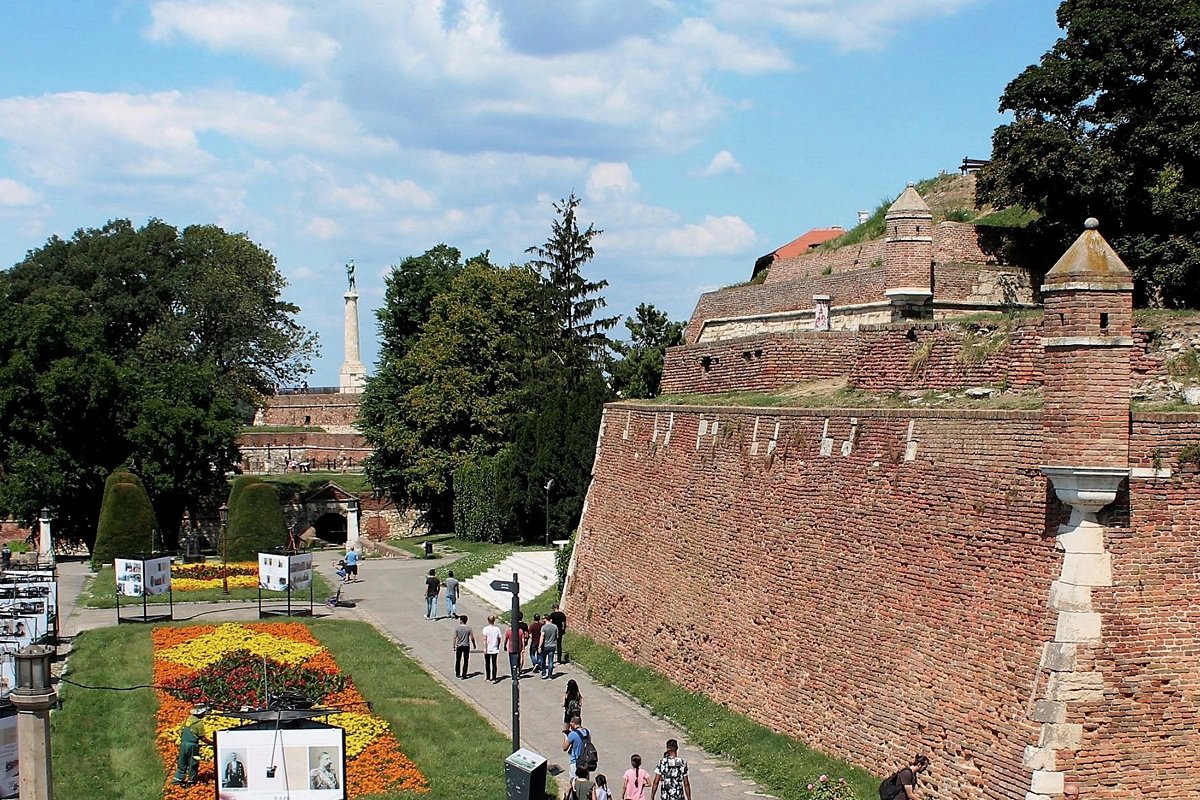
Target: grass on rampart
(782,765)
(101,592)
(282,429)
(103,740)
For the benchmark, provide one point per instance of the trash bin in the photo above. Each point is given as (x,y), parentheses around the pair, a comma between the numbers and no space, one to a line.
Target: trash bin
(525,775)
(428,549)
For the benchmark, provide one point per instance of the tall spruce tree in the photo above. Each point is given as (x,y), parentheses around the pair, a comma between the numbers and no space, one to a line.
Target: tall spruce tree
(574,300)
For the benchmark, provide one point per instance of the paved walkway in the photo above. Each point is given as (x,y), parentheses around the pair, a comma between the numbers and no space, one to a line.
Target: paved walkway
(391,597)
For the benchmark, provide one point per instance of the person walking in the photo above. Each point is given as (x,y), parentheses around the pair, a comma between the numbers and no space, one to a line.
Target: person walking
(432,587)
(902,784)
(352,565)
(671,775)
(601,791)
(451,594)
(463,641)
(5,557)
(572,702)
(191,734)
(514,645)
(560,619)
(635,781)
(549,645)
(581,788)
(535,644)
(573,736)
(491,648)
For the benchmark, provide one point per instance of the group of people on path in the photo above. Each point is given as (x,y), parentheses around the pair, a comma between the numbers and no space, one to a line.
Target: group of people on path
(670,780)
(540,640)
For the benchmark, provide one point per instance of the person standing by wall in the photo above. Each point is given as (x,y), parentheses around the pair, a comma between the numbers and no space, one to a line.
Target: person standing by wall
(902,784)
(491,648)
(549,646)
(451,594)
(463,641)
(671,775)
(432,587)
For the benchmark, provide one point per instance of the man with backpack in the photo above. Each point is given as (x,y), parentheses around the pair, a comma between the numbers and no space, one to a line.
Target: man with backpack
(577,743)
(902,784)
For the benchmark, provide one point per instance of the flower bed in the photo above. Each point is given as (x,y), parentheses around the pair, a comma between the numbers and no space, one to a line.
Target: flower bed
(198,577)
(222,665)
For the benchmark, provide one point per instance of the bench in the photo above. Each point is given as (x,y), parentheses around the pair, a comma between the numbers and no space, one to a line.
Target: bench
(970,165)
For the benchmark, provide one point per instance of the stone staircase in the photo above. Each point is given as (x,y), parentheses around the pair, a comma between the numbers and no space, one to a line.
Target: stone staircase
(536,572)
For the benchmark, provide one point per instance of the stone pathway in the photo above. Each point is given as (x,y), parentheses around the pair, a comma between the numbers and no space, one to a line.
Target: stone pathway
(391,598)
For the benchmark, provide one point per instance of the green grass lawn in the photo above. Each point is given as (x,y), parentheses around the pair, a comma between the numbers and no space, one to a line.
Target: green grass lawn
(103,741)
(101,592)
(782,765)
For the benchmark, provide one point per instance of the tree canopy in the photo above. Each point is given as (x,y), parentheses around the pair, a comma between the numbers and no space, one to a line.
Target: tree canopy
(1107,124)
(140,347)
(638,373)
(453,394)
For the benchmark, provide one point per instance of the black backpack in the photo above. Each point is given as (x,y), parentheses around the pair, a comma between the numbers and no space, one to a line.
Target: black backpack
(889,786)
(589,758)
(574,709)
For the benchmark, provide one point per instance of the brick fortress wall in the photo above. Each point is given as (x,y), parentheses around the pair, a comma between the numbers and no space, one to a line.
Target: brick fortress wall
(326,409)
(912,356)
(876,584)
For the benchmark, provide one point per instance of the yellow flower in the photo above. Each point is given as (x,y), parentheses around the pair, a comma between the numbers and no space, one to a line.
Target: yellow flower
(212,647)
(361,730)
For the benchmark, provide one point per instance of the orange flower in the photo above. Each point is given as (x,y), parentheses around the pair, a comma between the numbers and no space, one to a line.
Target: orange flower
(378,766)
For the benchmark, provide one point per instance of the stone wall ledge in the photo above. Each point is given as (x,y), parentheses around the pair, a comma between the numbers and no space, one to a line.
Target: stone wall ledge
(865,413)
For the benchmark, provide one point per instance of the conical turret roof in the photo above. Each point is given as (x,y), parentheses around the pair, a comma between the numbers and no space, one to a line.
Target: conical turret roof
(909,202)
(1090,260)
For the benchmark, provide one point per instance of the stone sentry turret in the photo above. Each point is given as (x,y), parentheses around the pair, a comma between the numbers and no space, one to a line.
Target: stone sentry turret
(1088,336)
(908,256)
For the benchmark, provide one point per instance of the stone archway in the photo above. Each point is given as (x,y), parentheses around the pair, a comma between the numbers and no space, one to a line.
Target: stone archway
(331,527)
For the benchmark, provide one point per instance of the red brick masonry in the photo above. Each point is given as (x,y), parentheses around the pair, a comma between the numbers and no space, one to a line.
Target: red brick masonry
(873,605)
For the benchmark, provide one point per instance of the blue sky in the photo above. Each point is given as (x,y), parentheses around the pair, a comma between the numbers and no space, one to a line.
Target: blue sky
(700,134)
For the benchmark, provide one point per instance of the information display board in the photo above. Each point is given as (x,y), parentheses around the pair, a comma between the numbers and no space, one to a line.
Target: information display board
(139,576)
(280,572)
(264,762)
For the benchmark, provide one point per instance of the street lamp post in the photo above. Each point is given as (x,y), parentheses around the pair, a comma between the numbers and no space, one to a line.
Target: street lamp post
(224,512)
(34,697)
(548,487)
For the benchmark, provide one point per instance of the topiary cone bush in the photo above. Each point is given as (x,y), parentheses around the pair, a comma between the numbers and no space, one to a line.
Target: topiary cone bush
(127,523)
(239,485)
(256,522)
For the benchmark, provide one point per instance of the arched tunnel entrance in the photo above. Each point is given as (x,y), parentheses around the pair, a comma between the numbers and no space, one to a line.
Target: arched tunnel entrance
(331,528)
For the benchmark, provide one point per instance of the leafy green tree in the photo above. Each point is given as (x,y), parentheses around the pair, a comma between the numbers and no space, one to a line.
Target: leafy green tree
(573,299)
(410,289)
(126,524)
(1107,124)
(638,373)
(137,346)
(454,395)
(256,522)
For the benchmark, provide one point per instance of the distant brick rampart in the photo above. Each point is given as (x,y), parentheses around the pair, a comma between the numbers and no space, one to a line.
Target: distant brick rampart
(759,363)
(312,409)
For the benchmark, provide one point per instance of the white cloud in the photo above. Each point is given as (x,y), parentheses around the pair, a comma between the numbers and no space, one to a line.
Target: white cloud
(851,24)
(610,181)
(715,236)
(270,30)
(322,228)
(722,163)
(14,194)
